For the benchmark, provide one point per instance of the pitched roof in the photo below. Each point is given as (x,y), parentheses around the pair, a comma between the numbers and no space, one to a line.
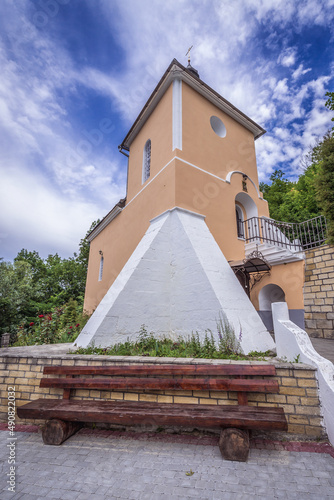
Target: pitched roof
(106,219)
(177,70)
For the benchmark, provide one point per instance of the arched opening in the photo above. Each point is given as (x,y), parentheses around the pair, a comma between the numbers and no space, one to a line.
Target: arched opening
(250,229)
(269,294)
(146,161)
(248,204)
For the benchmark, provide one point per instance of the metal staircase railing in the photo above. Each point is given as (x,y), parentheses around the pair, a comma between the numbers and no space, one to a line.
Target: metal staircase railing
(296,236)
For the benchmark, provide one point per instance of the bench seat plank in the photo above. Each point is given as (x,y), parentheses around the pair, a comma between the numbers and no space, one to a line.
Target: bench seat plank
(129,383)
(187,369)
(132,413)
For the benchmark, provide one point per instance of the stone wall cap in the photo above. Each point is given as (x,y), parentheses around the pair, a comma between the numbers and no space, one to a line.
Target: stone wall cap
(61,352)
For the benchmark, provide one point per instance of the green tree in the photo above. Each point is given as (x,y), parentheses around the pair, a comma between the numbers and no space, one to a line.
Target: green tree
(330,102)
(275,193)
(84,245)
(36,262)
(324,155)
(293,201)
(300,203)
(32,285)
(17,290)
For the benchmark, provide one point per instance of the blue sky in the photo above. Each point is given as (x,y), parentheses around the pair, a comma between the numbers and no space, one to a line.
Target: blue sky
(75,74)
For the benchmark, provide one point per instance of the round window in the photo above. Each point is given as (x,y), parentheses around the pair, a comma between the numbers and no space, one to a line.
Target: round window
(218,126)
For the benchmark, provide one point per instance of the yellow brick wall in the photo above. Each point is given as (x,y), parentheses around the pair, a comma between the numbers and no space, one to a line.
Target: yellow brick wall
(298,393)
(319,292)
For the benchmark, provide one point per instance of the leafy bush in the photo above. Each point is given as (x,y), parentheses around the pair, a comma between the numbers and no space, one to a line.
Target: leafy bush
(62,324)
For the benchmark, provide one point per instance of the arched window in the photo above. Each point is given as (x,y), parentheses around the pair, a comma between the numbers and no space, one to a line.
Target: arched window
(240,220)
(101,268)
(147,161)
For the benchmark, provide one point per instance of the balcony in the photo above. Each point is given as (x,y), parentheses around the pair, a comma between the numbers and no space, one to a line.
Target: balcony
(282,241)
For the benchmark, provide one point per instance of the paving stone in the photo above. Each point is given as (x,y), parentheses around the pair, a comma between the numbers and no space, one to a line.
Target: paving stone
(27,496)
(87,466)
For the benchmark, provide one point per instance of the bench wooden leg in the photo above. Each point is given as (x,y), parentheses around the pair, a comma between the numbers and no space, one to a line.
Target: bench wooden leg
(56,431)
(234,444)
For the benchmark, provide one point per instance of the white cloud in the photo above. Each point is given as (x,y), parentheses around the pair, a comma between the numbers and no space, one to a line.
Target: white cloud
(312,11)
(281,90)
(43,143)
(300,71)
(55,179)
(287,57)
(33,210)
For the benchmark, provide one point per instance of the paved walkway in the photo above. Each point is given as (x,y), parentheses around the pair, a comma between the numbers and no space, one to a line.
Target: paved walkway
(101,466)
(324,347)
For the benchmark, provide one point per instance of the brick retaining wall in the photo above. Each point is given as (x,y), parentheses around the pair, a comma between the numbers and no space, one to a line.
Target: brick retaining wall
(319,292)
(298,393)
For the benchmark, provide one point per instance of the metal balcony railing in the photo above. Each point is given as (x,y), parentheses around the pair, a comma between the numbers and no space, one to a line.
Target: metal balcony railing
(292,235)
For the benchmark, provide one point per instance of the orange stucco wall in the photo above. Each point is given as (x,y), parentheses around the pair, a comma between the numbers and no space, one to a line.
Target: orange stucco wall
(158,128)
(203,147)
(290,277)
(194,179)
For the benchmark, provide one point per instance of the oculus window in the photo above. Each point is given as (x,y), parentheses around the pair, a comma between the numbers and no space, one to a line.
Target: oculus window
(218,126)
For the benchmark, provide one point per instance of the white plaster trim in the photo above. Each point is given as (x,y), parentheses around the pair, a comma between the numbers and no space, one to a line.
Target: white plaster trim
(177,114)
(178,209)
(163,168)
(200,169)
(229,175)
(292,341)
(147,183)
(117,210)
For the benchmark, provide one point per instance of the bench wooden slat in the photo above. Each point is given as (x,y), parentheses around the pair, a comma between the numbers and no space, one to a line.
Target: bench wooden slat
(131,413)
(226,369)
(249,385)
(65,416)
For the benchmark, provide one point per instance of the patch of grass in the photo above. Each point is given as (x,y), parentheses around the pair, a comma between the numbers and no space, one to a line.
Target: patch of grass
(192,347)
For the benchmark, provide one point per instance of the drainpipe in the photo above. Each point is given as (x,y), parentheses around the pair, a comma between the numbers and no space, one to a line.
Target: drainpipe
(120,149)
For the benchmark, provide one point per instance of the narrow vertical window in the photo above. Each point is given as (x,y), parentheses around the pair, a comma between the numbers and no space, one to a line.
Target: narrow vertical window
(240,222)
(147,161)
(101,268)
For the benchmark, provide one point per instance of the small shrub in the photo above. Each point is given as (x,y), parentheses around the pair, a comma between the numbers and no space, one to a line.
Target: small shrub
(228,343)
(147,341)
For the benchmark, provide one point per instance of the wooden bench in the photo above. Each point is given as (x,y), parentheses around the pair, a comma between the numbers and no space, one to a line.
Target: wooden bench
(64,415)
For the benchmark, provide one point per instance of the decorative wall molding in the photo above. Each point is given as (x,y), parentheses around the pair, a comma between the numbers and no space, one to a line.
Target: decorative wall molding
(177,114)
